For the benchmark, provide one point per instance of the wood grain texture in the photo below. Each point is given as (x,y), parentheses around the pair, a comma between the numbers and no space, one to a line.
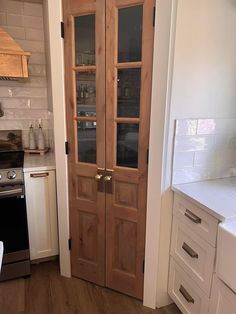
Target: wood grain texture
(126,212)
(48,293)
(87,205)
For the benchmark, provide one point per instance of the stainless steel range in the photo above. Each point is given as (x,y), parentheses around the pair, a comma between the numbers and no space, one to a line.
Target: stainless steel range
(13,216)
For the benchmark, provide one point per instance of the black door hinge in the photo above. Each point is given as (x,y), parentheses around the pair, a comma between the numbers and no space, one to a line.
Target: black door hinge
(143,266)
(147,155)
(154,16)
(62,30)
(69,244)
(67,148)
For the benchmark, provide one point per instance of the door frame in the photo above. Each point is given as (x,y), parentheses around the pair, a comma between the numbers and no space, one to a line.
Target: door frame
(155,291)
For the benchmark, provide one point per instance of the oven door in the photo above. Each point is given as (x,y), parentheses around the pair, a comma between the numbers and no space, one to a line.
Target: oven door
(13,219)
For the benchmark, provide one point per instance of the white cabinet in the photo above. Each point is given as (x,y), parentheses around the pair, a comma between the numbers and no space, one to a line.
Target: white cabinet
(194,234)
(40,189)
(223,300)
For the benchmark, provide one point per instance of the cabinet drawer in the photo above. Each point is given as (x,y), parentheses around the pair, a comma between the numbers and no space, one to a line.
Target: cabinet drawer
(185,293)
(197,219)
(195,255)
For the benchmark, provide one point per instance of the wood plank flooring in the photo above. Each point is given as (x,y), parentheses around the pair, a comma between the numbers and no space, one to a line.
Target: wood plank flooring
(46,292)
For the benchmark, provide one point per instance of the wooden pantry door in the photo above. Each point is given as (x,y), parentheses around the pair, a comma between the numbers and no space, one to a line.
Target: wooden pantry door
(108,70)
(84,24)
(129,53)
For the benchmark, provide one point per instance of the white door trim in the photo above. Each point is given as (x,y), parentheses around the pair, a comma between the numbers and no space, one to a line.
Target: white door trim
(159,121)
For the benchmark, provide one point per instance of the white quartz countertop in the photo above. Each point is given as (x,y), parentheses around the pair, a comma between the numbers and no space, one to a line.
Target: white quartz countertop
(33,162)
(1,254)
(217,197)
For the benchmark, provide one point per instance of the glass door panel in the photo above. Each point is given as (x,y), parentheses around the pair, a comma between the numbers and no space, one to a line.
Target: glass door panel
(87,141)
(85,40)
(127,144)
(130,34)
(86,93)
(128,93)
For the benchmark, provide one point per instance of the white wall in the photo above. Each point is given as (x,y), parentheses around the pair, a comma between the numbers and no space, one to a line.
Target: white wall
(204,85)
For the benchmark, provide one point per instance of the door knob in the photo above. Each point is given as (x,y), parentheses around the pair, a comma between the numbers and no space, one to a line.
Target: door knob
(107,178)
(98,177)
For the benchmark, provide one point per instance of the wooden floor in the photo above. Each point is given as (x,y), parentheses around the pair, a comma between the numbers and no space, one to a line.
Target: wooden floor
(46,292)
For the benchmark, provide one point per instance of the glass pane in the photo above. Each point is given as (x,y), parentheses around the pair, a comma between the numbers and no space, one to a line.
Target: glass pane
(128,93)
(85,40)
(127,145)
(130,34)
(86,94)
(87,142)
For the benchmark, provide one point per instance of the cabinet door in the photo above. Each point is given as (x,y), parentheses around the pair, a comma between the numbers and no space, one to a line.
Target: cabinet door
(223,300)
(42,214)
(129,50)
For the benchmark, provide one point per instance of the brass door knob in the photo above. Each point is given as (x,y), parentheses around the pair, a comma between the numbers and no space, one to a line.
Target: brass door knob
(107,178)
(98,177)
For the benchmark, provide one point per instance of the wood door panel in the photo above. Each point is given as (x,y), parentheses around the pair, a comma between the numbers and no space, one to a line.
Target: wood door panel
(126,194)
(125,246)
(86,188)
(88,235)
(87,205)
(126,208)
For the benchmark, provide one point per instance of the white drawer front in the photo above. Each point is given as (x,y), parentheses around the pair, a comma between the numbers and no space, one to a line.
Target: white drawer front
(197,219)
(195,255)
(185,293)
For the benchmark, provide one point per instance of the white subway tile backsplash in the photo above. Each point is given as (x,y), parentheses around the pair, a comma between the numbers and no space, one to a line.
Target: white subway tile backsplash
(15,31)
(37,58)
(186,127)
(215,126)
(11,6)
(25,101)
(33,22)
(193,143)
(183,160)
(3,18)
(34,34)
(208,153)
(37,70)
(15,20)
(33,9)
(32,46)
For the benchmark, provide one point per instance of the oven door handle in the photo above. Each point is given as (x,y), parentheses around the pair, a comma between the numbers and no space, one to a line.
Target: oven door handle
(11,192)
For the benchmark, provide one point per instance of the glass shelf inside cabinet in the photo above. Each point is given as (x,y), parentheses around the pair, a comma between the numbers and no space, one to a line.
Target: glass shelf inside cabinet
(86,93)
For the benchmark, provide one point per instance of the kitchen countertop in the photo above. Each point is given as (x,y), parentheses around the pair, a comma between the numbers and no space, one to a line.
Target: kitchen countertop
(33,162)
(217,197)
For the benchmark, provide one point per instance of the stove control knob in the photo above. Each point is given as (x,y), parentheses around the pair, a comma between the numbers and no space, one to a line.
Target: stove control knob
(11,175)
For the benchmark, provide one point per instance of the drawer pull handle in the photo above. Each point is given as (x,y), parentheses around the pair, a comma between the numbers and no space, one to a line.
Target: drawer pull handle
(186,295)
(189,250)
(39,175)
(192,217)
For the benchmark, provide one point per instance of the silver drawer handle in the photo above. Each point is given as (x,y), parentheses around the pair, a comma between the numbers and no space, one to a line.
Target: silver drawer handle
(192,217)
(39,175)
(186,295)
(189,250)
(11,192)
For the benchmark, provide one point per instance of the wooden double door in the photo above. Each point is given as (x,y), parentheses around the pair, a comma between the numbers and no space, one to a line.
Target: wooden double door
(108,74)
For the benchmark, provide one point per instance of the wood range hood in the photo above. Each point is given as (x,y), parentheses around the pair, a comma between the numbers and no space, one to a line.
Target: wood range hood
(13,59)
